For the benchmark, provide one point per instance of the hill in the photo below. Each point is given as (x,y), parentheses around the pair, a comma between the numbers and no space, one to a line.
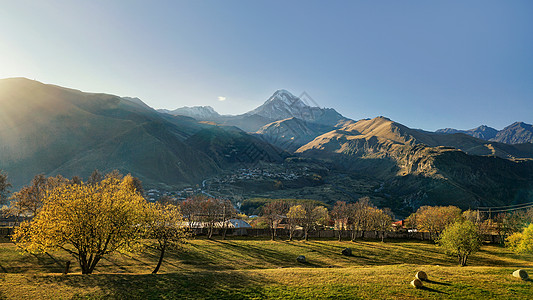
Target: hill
(54,130)
(421,168)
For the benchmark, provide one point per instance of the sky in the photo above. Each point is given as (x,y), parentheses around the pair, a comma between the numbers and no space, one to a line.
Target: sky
(425,64)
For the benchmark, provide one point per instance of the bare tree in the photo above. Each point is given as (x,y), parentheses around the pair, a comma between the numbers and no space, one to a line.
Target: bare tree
(313,214)
(192,210)
(361,214)
(95,177)
(383,221)
(29,199)
(274,213)
(294,217)
(227,212)
(509,223)
(210,212)
(340,214)
(4,188)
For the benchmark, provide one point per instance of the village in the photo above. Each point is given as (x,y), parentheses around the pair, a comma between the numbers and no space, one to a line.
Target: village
(232,179)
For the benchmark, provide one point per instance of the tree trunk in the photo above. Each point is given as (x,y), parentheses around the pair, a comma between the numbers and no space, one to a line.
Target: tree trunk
(224,231)
(210,232)
(93,264)
(67,268)
(160,260)
(340,235)
(82,259)
(462,259)
(273,233)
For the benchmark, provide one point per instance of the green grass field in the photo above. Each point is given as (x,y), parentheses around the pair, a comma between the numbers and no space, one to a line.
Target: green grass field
(259,269)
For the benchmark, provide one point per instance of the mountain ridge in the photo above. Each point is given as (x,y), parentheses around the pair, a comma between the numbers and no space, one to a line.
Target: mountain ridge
(279,106)
(54,130)
(516,133)
(417,169)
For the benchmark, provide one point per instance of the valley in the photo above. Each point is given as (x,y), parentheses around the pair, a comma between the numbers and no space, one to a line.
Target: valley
(285,148)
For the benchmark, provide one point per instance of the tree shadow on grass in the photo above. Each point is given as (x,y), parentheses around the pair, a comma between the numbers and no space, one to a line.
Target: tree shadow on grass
(190,285)
(273,257)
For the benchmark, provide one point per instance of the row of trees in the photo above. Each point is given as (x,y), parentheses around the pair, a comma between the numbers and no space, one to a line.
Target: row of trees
(207,212)
(357,217)
(91,219)
(460,233)
(434,219)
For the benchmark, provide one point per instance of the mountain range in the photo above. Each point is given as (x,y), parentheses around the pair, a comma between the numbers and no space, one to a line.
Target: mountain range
(281,105)
(516,133)
(54,130)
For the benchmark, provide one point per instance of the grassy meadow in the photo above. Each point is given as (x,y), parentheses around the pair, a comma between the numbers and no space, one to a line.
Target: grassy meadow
(257,269)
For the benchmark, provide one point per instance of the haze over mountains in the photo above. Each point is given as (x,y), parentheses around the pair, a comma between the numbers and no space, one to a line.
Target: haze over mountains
(281,105)
(284,105)
(54,130)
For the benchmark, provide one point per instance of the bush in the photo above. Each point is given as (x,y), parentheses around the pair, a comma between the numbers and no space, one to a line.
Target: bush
(521,242)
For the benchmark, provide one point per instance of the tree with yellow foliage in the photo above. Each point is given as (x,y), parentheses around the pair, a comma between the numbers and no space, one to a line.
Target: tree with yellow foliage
(434,219)
(521,242)
(87,221)
(461,239)
(167,228)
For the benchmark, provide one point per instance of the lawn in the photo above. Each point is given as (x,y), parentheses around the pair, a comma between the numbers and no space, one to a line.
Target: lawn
(258,269)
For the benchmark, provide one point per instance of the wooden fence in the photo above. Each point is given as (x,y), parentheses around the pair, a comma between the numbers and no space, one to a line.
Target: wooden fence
(346,235)
(298,234)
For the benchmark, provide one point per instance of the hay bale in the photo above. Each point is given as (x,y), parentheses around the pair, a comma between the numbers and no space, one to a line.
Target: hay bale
(421,275)
(301,259)
(417,283)
(347,251)
(522,274)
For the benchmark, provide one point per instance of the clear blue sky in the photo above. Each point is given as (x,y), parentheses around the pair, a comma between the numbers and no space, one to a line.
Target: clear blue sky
(426,64)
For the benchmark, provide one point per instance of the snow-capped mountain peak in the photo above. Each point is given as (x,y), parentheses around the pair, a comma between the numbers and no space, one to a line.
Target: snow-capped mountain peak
(283,104)
(197,112)
(285,98)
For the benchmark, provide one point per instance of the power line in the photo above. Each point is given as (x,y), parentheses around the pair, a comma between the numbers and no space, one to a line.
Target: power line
(530,205)
(508,206)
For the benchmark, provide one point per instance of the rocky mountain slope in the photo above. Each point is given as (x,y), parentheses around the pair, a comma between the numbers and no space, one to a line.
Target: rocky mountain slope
(291,133)
(425,168)
(516,133)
